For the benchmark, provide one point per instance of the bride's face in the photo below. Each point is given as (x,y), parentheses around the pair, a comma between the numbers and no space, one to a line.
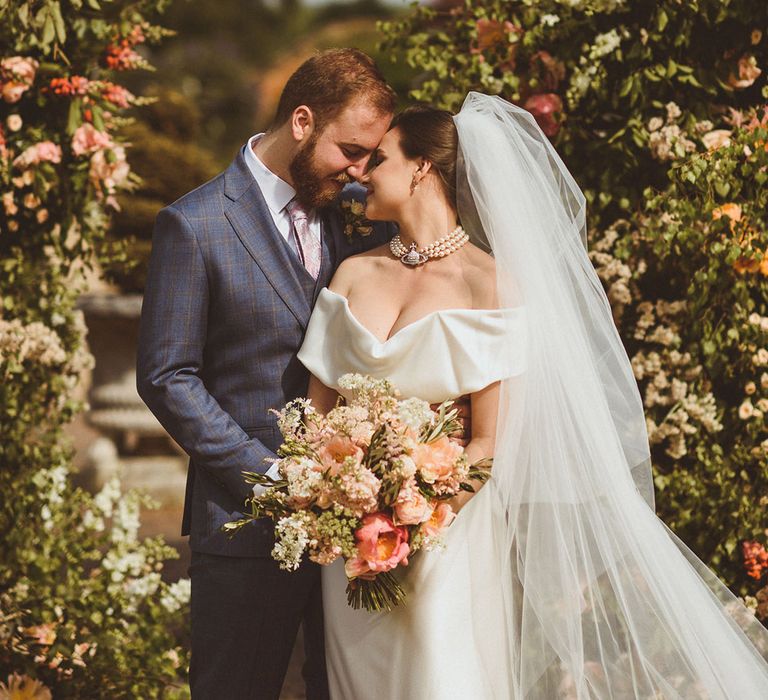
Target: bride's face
(388,179)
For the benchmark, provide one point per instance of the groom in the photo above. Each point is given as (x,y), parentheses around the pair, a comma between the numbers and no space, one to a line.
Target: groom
(235,269)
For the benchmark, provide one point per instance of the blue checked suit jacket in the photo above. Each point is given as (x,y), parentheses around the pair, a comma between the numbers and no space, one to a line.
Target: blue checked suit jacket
(226,306)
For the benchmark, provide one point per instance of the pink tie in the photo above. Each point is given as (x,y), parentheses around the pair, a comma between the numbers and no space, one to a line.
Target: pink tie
(308,242)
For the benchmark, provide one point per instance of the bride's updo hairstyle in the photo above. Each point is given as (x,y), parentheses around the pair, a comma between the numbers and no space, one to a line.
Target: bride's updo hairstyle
(429,133)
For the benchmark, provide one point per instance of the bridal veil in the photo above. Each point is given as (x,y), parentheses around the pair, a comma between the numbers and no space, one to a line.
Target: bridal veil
(601,599)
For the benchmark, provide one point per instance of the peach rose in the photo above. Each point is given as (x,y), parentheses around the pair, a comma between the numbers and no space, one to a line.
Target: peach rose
(334,452)
(88,139)
(436,460)
(748,72)
(441,518)
(410,506)
(18,74)
(381,544)
(110,174)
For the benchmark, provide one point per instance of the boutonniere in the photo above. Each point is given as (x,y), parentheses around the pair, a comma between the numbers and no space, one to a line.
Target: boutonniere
(355,223)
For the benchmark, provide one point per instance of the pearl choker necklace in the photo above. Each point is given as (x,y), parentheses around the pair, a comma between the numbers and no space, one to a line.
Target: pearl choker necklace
(446,245)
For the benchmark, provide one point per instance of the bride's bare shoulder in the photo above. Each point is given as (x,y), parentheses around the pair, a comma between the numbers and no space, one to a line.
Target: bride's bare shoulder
(481,277)
(355,267)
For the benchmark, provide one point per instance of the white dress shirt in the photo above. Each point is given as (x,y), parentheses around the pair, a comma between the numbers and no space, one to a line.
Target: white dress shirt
(277,193)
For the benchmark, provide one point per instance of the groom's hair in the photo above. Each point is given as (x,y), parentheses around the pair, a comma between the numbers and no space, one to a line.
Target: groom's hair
(329,81)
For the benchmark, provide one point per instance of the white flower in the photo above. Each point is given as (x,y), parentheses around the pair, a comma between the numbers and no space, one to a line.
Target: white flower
(745,410)
(414,413)
(177,595)
(673,111)
(549,20)
(291,540)
(14,122)
(655,123)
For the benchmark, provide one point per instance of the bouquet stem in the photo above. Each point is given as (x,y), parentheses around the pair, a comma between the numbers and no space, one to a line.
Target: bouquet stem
(381,593)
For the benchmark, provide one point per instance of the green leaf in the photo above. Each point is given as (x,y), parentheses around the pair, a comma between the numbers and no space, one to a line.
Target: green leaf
(94,5)
(661,20)
(75,116)
(58,21)
(49,30)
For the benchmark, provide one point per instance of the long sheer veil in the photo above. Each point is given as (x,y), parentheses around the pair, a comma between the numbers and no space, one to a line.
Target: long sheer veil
(600,599)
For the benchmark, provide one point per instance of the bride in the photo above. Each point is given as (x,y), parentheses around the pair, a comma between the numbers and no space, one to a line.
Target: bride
(557,580)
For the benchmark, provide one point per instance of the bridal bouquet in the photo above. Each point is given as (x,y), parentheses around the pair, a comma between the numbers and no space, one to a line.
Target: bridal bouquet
(369,482)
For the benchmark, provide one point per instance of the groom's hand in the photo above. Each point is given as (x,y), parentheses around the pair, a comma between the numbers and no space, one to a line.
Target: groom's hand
(463,406)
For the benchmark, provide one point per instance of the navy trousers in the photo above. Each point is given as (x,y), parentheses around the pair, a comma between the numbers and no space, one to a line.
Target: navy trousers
(248,660)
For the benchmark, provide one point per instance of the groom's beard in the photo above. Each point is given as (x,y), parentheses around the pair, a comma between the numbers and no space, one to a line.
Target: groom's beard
(312,189)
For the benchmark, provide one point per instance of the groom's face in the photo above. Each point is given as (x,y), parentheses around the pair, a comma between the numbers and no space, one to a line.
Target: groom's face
(337,153)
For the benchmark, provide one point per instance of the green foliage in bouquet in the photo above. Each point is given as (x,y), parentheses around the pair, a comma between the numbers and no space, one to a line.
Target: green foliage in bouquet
(658,109)
(83,610)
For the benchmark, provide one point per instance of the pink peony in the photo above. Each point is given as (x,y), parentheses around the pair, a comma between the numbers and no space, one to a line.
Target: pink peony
(410,506)
(88,139)
(17,74)
(381,544)
(437,460)
(546,109)
(441,518)
(335,452)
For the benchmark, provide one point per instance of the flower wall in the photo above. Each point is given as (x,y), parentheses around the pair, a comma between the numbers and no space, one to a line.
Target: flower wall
(659,110)
(83,609)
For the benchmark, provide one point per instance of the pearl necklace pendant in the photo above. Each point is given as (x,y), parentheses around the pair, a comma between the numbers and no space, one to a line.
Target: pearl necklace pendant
(413,257)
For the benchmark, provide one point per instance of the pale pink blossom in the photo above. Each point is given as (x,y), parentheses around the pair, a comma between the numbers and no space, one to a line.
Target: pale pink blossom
(45,151)
(14,122)
(716,139)
(110,175)
(9,204)
(88,139)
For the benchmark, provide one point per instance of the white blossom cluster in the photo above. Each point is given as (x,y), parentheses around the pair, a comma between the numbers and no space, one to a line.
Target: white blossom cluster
(291,540)
(176,595)
(666,139)
(590,69)
(414,413)
(33,342)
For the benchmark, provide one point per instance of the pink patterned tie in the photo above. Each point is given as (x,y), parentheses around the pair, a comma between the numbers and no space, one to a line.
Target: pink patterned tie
(308,242)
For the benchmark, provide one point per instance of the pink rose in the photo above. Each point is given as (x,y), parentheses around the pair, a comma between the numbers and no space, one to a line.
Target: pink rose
(334,452)
(441,518)
(380,544)
(437,460)
(17,74)
(43,151)
(546,109)
(410,506)
(356,567)
(88,139)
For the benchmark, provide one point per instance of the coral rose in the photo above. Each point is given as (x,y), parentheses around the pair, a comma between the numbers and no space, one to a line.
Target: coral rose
(410,506)
(436,460)
(441,518)
(381,544)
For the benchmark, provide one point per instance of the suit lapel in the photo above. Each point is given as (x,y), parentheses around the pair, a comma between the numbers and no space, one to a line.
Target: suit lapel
(249,216)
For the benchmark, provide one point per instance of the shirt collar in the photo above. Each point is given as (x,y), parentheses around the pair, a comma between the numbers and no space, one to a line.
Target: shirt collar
(276,191)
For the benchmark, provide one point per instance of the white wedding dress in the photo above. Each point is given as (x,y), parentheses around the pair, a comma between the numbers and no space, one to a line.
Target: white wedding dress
(472,626)
(428,647)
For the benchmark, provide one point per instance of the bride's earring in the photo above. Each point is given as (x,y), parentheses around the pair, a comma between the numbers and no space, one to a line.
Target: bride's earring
(414,184)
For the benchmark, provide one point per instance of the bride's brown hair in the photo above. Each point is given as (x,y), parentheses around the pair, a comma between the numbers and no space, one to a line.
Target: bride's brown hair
(429,133)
